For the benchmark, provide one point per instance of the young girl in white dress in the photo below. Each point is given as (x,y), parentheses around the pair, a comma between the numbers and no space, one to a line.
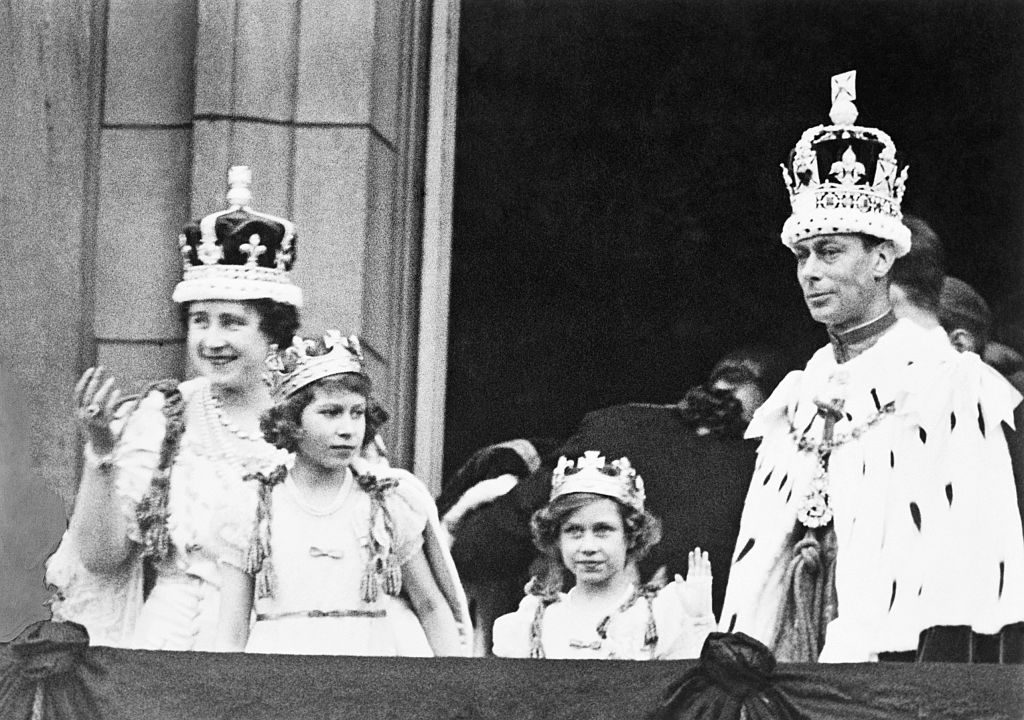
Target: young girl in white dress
(596,528)
(334,541)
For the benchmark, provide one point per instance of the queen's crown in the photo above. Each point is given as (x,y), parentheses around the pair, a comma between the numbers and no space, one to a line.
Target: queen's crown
(238,253)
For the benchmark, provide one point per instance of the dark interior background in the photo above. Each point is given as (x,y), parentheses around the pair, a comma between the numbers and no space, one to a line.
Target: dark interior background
(618,196)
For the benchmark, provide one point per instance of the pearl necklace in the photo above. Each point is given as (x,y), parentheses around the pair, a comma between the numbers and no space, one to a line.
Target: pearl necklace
(219,439)
(217,406)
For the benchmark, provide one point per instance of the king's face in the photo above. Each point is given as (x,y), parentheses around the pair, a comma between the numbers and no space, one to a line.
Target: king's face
(839,276)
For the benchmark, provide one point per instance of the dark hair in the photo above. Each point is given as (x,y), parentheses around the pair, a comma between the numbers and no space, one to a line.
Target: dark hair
(761,363)
(278,321)
(281,424)
(921,271)
(642,531)
(716,409)
(961,307)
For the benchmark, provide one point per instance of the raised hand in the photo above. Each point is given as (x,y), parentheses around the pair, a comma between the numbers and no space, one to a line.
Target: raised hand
(695,591)
(96,399)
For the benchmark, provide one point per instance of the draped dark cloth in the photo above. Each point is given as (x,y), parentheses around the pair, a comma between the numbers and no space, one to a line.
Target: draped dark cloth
(119,684)
(733,680)
(46,674)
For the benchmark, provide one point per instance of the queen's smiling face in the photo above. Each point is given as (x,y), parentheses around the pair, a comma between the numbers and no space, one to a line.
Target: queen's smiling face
(226,344)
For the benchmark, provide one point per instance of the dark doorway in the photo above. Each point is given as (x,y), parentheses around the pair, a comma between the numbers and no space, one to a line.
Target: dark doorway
(618,196)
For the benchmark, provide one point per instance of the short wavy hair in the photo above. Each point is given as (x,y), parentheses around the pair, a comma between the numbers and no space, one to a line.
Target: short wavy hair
(642,531)
(282,424)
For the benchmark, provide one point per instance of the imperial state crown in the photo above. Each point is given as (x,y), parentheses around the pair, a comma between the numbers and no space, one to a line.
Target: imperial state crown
(845,178)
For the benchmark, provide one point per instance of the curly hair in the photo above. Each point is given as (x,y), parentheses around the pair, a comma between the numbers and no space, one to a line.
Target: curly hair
(641,528)
(714,408)
(278,321)
(282,424)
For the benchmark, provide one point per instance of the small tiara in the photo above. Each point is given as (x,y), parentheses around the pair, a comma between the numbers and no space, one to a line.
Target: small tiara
(591,474)
(307,360)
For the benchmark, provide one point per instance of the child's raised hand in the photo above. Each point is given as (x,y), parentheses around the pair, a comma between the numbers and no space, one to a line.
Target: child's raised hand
(694,592)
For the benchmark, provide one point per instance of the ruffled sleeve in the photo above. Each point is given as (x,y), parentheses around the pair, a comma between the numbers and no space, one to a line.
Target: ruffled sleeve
(236,525)
(107,604)
(422,518)
(137,456)
(407,516)
(511,634)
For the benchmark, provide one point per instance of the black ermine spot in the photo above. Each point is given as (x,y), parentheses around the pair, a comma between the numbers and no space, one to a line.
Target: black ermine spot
(915,513)
(922,434)
(949,493)
(892,598)
(745,550)
(952,420)
(981,420)
(732,623)
(874,396)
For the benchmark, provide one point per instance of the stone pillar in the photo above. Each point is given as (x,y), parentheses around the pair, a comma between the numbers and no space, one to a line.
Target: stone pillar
(324,101)
(52,55)
(144,173)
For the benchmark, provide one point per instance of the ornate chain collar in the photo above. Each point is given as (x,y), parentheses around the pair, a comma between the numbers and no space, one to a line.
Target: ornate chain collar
(815,510)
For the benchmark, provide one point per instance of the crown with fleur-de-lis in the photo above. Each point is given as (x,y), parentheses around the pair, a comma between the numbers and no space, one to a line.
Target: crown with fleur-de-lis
(238,253)
(591,474)
(310,359)
(844,178)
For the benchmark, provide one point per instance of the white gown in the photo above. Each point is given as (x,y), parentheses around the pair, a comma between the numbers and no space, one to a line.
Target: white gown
(205,490)
(318,556)
(567,632)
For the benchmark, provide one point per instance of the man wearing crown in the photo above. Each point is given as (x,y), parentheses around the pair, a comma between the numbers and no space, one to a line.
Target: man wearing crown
(881,520)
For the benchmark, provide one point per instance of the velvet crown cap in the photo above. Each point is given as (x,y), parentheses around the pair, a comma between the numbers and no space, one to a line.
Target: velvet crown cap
(238,253)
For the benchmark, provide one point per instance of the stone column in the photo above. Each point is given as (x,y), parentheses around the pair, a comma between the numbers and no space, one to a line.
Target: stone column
(323,100)
(144,173)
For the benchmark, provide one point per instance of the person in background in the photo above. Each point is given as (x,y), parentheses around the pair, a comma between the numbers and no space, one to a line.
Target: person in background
(881,519)
(916,278)
(965,316)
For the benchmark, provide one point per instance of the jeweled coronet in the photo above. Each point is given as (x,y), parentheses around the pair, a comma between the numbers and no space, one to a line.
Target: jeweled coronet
(307,360)
(591,474)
